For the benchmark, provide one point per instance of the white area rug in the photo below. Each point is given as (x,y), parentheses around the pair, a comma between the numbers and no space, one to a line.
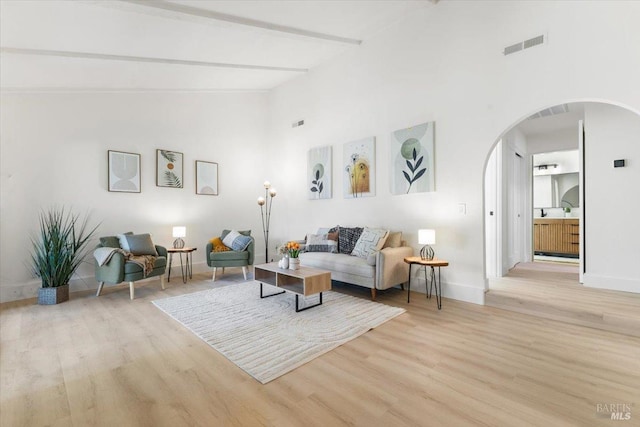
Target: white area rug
(266,337)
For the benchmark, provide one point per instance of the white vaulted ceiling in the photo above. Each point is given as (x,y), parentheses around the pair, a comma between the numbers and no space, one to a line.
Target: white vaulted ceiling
(53,45)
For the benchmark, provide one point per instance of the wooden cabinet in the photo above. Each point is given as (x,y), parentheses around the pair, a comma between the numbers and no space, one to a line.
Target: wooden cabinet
(556,236)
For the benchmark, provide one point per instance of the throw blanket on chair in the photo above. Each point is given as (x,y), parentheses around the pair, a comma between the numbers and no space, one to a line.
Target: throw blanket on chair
(146,262)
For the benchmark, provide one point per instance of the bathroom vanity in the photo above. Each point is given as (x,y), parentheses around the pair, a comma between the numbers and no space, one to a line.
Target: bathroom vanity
(556,236)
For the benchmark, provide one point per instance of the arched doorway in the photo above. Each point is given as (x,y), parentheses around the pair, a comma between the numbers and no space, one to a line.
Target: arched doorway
(609,138)
(509,203)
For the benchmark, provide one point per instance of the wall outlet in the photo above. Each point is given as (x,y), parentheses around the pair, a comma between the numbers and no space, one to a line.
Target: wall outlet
(462,208)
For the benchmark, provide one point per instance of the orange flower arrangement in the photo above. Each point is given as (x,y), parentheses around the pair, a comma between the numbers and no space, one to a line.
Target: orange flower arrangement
(293,248)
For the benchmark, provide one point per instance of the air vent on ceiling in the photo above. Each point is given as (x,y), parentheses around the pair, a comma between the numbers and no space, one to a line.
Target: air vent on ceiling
(526,44)
(298,123)
(551,111)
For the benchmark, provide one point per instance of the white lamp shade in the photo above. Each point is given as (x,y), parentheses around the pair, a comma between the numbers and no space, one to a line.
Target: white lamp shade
(179,231)
(427,237)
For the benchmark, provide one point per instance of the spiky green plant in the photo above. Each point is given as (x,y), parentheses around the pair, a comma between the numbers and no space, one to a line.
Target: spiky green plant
(60,247)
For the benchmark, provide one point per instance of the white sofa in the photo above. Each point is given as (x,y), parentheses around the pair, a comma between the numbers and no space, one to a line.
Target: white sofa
(389,270)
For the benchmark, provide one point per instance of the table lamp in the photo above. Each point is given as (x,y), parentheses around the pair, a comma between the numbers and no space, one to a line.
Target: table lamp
(179,233)
(427,237)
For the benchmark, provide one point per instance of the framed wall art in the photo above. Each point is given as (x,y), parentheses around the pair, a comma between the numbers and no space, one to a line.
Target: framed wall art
(206,178)
(359,160)
(169,171)
(319,173)
(412,159)
(123,172)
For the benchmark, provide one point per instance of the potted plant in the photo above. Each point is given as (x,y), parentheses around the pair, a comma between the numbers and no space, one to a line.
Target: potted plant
(567,211)
(57,252)
(294,250)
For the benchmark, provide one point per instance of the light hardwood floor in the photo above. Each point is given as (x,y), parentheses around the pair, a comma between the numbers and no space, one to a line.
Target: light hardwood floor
(109,361)
(552,290)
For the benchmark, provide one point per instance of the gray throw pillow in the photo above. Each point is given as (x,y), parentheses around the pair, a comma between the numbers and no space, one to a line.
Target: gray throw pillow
(110,242)
(141,244)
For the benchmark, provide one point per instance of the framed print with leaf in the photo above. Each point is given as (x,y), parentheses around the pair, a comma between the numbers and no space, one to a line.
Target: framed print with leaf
(319,173)
(359,160)
(169,169)
(123,172)
(412,159)
(206,178)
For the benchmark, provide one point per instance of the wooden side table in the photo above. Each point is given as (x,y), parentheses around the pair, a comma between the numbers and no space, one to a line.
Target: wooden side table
(187,267)
(433,263)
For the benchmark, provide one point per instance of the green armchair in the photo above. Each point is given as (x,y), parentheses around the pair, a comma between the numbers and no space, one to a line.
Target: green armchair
(231,258)
(118,269)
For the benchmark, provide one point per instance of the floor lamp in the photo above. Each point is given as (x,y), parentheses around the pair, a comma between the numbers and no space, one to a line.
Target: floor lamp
(265,212)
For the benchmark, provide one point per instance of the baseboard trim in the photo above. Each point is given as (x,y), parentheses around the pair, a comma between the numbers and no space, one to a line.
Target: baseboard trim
(26,290)
(457,291)
(612,283)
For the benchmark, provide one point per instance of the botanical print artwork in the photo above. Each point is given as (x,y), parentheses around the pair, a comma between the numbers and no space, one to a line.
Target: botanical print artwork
(168,169)
(124,172)
(359,161)
(412,159)
(206,178)
(319,170)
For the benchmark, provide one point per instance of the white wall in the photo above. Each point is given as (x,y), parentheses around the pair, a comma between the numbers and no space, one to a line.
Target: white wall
(557,140)
(612,198)
(54,152)
(447,67)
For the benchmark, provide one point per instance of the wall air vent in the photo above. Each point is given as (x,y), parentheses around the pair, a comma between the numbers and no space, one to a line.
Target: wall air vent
(513,48)
(534,41)
(552,111)
(298,123)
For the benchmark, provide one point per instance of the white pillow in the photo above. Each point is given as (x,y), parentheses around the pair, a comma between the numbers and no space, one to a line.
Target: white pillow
(230,237)
(124,243)
(370,241)
(236,241)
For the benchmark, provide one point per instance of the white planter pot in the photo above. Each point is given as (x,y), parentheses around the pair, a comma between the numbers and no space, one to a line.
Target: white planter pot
(294,263)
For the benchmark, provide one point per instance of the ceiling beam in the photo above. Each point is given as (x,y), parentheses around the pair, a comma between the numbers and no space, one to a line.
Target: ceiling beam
(218,16)
(103,56)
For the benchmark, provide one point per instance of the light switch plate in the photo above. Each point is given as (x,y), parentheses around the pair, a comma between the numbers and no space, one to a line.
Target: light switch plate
(462,208)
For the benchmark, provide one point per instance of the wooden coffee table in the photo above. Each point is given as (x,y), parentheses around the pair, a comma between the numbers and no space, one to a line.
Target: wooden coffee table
(305,281)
